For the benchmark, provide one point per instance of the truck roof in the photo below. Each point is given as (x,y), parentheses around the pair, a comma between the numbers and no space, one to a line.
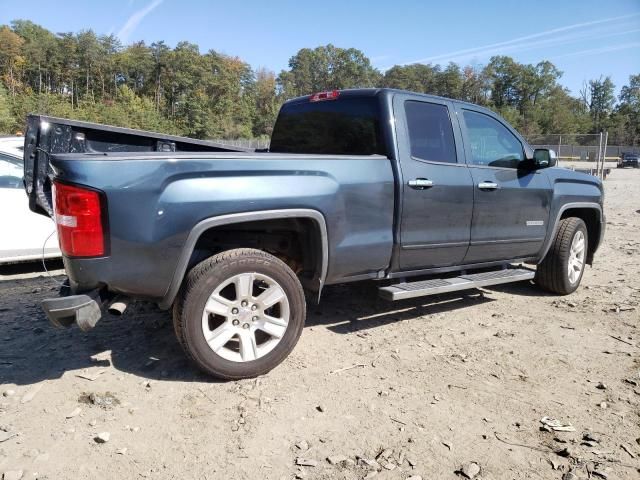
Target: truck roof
(372,92)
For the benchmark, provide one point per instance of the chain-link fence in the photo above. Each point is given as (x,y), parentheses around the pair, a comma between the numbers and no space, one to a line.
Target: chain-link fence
(581,147)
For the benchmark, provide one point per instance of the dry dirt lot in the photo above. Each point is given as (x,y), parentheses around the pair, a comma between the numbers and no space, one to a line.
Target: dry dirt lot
(436,383)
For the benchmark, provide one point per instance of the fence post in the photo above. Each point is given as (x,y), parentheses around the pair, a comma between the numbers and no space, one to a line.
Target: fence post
(599,155)
(559,145)
(604,153)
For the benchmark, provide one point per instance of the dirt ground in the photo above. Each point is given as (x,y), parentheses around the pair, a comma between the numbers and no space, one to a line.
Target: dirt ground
(436,383)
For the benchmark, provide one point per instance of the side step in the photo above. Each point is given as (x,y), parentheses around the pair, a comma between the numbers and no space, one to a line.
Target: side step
(442,285)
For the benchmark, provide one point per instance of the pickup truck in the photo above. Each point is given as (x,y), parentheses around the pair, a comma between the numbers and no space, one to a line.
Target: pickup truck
(421,194)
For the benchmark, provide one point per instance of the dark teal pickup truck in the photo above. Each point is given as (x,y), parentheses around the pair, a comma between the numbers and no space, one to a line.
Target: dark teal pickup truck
(422,194)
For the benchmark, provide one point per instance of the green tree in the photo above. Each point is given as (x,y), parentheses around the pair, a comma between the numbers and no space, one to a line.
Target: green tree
(327,68)
(600,99)
(6,118)
(11,57)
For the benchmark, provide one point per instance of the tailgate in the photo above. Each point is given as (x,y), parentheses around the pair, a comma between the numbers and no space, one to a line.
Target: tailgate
(46,136)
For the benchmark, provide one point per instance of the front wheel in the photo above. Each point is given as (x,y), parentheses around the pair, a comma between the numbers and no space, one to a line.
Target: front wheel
(240,313)
(563,266)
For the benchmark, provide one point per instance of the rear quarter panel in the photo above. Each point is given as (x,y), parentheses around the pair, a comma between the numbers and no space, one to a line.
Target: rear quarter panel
(155,200)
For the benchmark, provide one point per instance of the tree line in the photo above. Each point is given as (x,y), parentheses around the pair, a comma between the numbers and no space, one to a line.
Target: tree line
(211,95)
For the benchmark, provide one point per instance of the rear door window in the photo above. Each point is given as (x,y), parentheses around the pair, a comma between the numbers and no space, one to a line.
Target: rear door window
(430,132)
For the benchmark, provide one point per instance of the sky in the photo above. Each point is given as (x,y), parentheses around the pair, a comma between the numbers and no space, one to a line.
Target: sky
(585,39)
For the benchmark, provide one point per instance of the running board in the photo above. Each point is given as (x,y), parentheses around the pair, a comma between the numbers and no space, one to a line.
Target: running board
(434,286)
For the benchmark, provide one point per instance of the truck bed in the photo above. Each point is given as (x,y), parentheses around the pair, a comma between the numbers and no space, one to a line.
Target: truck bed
(46,136)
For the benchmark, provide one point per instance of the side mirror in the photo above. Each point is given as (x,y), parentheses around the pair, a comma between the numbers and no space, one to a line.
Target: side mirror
(544,158)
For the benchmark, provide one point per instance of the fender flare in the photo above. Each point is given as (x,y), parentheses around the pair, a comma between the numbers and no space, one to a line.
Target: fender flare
(564,208)
(206,224)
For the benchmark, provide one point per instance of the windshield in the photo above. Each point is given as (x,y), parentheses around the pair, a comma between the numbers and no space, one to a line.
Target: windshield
(346,126)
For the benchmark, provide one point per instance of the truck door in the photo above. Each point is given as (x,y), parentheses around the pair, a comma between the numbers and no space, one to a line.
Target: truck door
(511,202)
(436,185)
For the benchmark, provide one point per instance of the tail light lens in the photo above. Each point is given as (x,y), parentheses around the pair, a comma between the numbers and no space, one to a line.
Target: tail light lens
(79,217)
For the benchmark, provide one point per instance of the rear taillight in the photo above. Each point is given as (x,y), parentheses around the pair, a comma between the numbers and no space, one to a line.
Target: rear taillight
(78,215)
(319,97)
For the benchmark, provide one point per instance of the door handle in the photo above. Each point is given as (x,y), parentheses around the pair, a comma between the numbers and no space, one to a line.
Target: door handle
(420,183)
(488,186)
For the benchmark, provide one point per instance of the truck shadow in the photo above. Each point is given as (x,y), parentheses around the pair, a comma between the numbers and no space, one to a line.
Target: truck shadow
(142,341)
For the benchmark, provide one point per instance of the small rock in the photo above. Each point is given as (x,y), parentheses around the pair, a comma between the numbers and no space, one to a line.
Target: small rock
(370,463)
(603,405)
(8,393)
(386,453)
(336,459)
(306,462)
(31,393)
(412,462)
(566,452)
(470,470)
(569,476)
(102,437)
(601,386)
(93,423)
(590,437)
(121,451)
(302,445)
(12,475)
(74,413)
(598,472)
(320,408)
(4,436)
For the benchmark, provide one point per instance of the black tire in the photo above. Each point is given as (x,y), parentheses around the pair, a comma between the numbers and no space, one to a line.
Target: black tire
(552,273)
(198,286)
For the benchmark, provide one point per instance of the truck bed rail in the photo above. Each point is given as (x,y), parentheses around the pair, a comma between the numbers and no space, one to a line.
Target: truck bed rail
(46,136)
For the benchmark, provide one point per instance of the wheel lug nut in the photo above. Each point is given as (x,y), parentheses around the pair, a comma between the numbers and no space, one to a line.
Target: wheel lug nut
(254,307)
(234,311)
(255,319)
(236,322)
(244,303)
(246,325)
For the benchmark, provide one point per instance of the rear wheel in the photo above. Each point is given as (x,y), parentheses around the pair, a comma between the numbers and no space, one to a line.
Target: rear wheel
(563,266)
(240,314)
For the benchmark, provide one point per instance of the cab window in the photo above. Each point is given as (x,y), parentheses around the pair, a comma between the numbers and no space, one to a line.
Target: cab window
(491,143)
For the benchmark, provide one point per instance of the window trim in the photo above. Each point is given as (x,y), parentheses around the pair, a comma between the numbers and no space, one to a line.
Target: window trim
(467,140)
(408,133)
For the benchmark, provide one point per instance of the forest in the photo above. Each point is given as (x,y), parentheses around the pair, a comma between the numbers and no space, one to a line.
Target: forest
(209,95)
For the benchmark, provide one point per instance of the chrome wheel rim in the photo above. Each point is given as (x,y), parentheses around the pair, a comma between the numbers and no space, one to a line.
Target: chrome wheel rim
(245,317)
(576,257)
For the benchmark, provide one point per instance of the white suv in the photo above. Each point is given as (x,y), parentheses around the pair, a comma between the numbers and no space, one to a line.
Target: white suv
(24,233)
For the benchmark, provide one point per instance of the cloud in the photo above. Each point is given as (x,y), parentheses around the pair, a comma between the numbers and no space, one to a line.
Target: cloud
(596,51)
(520,43)
(134,20)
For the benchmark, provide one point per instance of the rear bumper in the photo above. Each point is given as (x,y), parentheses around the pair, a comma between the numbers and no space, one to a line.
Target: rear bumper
(85,310)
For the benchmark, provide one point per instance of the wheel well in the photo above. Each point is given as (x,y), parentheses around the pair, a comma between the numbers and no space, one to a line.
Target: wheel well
(296,241)
(591,218)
